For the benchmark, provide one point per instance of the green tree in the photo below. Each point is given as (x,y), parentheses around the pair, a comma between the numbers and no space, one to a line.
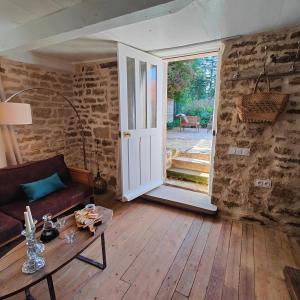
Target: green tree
(192,79)
(192,85)
(180,76)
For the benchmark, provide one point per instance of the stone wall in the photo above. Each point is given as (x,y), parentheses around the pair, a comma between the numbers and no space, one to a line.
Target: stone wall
(275,149)
(96,96)
(93,89)
(54,122)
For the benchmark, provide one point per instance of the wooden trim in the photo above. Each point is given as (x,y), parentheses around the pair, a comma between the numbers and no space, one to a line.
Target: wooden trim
(10,241)
(81,176)
(192,56)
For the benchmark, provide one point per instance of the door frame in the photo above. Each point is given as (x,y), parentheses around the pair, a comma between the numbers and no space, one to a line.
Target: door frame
(215,121)
(218,52)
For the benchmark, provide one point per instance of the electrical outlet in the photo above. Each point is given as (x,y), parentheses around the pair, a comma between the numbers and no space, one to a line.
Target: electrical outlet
(231,150)
(239,151)
(258,182)
(267,183)
(246,151)
(264,183)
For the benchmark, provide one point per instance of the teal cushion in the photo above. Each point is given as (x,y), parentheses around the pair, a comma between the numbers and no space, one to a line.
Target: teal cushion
(43,187)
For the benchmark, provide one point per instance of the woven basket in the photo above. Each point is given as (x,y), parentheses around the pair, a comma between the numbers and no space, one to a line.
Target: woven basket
(261,106)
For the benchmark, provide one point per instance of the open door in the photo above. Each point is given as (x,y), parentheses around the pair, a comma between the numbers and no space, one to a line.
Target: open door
(141,98)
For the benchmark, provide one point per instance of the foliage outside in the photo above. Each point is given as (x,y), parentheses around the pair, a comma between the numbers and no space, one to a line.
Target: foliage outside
(191,84)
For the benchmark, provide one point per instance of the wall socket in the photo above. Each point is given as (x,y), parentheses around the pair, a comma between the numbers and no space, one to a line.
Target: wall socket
(264,183)
(239,151)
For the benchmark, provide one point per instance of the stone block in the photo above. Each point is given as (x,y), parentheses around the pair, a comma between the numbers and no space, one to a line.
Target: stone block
(100,108)
(101,132)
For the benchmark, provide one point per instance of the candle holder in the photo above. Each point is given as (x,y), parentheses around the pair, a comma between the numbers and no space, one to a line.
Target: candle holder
(39,246)
(35,260)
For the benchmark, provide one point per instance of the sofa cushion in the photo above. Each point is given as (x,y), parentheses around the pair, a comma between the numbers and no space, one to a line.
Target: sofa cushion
(54,203)
(43,187)
(12,177)
(9,228)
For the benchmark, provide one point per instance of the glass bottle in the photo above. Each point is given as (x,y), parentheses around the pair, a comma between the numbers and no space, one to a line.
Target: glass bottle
(100,185)
(49,231)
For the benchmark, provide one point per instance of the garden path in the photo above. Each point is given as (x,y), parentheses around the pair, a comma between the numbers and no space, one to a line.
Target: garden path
(190,140)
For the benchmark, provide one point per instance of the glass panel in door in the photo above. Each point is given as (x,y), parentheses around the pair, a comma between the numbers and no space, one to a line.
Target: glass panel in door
(131,93)
(143,94)
(153,95)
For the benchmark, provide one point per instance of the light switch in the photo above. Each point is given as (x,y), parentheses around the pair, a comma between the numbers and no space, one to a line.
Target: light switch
(239,151)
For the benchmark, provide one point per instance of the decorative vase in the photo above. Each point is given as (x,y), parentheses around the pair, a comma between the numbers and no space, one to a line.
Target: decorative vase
(100,185)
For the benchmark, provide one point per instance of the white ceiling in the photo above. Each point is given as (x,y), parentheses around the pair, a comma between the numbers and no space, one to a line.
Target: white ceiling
(200,22)
(17,12)
(207,20)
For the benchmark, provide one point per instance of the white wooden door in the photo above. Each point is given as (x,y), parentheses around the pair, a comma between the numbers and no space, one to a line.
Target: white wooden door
(141,96)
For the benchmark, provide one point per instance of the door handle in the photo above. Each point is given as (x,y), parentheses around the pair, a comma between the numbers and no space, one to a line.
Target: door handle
(126,134)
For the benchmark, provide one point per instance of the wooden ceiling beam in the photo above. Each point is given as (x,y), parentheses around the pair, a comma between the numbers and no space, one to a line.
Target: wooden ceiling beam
(83,19)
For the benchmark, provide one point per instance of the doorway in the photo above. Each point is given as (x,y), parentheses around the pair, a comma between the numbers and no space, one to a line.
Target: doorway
(191,107)
(142,83)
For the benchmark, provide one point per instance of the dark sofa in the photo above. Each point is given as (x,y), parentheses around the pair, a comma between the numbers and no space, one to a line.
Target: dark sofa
(13,200)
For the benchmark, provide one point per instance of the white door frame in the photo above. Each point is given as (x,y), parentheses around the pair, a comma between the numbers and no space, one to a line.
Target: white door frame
(215,119)
(219,53)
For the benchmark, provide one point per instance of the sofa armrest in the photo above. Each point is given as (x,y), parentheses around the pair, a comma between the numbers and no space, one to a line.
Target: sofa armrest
(81,176)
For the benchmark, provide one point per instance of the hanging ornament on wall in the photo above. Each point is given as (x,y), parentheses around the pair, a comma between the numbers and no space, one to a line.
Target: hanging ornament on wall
(100,185)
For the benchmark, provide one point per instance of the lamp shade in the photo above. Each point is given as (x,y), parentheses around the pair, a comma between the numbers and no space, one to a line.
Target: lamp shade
(15,113)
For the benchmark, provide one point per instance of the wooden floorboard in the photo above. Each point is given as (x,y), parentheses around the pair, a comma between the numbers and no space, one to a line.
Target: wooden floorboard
(246,284)
(214,289)
(156,267)
(171,280)
(277,288)
(232,273)
(201,281)
(260,264)
(187,278)
(163,253)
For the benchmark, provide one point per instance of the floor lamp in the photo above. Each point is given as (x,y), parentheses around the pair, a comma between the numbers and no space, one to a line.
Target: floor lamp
(14,114)
(20,113)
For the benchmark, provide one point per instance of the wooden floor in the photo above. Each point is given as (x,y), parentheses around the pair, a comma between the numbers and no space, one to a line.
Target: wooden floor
(158,252)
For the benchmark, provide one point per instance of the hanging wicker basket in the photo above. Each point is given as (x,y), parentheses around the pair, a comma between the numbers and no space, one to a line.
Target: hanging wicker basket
(260,107)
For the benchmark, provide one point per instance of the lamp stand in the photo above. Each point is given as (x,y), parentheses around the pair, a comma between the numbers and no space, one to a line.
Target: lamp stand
(72,106)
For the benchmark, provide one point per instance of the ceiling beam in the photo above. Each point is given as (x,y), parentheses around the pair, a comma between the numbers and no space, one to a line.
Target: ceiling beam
(45,61)
(83,19)
(183,51)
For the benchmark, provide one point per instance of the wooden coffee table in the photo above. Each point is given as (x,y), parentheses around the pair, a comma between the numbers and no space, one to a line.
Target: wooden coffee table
(57,254)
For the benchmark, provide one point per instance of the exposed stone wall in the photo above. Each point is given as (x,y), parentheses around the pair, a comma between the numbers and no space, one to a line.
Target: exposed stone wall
(54,122)
(93,89)
(96,96)
(275,149)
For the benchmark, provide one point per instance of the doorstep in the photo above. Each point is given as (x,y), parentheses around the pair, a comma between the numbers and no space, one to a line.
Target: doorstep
(182,198)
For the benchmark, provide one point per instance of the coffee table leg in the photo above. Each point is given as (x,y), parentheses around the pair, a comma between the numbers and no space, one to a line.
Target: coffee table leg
(51,287)
(103,251)
(94,263)
(28,295)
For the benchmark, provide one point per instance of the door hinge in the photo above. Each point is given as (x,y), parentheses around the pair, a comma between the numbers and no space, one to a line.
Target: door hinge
(119,134)
(214,133)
